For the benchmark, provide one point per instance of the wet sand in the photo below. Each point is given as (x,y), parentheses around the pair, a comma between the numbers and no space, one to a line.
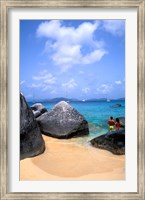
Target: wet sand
(69,160)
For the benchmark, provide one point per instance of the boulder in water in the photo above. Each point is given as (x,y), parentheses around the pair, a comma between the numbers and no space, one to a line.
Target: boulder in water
(112,141)
(31,141)
(38,109)
(116,105)
(36,113)
(63,121)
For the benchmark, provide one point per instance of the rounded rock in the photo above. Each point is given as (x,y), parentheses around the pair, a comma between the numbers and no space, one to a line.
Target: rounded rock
(63,121)
(31,141)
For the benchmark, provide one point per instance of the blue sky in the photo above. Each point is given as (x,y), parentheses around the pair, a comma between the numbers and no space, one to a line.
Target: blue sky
(80,59)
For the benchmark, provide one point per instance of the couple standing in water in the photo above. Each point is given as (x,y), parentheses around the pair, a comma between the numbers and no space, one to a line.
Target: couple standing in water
(113,123)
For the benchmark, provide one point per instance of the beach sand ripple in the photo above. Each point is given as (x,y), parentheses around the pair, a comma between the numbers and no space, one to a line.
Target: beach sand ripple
(66,160)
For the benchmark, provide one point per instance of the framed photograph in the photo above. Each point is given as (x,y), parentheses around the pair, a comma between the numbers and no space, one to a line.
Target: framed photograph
(79,67)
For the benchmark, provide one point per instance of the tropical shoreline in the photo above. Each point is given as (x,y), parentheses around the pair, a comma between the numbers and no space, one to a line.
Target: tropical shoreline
(70,160)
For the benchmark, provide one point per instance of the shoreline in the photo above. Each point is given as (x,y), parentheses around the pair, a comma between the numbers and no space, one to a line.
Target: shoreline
(70,160)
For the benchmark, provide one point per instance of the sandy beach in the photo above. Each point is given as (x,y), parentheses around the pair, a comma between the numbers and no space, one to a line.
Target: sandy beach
(69,160)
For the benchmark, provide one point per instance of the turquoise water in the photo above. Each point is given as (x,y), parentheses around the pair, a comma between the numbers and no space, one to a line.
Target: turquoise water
(96,113)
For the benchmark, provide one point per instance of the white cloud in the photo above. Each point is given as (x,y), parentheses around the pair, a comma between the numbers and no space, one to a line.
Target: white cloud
(115,27)
(63,34)
(46,77)
(86,90)
(66,43)
(105,88)
(66,56)
(70,84)
(118,82)
(41,86)
(53,92)
(51,80)
(22,82)
(29,96)
(93,56)
(45,87)
(81,72)
(46,29)
(42,64)
(36,85)
(43,80)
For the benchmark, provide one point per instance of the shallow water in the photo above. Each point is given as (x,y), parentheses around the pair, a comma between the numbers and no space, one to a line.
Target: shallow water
(96,113)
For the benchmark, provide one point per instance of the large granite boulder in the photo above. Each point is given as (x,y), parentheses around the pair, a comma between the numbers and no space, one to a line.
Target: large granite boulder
(112,141)
(38,109)
(31,141)
(63,121)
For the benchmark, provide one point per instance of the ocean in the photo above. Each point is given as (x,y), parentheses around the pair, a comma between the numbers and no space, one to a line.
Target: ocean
(96,113)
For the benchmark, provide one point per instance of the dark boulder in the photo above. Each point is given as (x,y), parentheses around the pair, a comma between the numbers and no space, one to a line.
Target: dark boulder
(122,121)
(38,109)
(116,105)
(36,113)
(31,141)
(112,141)
(63,121)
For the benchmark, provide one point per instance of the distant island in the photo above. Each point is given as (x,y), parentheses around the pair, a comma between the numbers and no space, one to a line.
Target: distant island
(75,100)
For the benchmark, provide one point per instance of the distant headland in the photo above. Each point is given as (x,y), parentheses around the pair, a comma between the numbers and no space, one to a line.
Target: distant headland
(58,99)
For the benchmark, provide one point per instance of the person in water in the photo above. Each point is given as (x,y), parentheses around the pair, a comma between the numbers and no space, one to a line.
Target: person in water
(117,124)
(111,123)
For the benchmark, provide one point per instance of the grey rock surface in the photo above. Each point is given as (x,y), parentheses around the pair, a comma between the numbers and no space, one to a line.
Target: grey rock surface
(36,113)
(38,109)
(122,121)
(112,141)
(116,105)
(31,141)
(63,121)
